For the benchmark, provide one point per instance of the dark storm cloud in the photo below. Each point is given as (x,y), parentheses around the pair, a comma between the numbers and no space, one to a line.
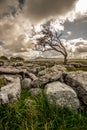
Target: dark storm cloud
(8,6)
(37,10)
(21,3)
(3,5)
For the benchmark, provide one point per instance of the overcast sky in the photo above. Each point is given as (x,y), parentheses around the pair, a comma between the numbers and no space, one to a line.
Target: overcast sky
(18,16)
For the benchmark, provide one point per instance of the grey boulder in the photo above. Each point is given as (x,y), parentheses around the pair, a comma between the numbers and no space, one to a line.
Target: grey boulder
(78,81)
(49,75)
(26,83)
(10,92)
(62,95)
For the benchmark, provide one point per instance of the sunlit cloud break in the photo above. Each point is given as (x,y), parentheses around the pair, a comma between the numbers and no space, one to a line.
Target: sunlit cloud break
(16,30)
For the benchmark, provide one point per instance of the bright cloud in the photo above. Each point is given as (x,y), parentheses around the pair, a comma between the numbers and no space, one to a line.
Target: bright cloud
(81,6)
(16,31)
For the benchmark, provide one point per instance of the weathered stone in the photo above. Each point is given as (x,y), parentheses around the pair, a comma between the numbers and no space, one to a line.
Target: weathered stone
(62,95)
(49,75)
(10,70)
(47,78)
(10,92)
(55,68)
(75,65)
(16,64)
(32,76)
(37,69)
(78,81)
(1,63)
(14,71)
(3,98)
(9,78)
(26,83)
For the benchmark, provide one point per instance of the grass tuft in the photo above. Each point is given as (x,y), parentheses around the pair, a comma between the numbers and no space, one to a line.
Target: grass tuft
(38,114)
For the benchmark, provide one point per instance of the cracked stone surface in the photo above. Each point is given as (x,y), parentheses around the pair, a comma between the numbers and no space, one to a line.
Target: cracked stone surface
(62,95)
(11,92)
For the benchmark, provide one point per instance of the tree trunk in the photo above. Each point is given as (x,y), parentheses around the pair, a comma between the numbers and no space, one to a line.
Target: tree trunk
(65,59)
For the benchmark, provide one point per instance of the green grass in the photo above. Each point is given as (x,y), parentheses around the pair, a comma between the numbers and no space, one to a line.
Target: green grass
(79,60)
(3,58)
(38,114)
(77,69)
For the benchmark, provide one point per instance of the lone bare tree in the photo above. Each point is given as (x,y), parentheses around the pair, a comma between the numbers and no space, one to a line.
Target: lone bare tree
(50,40)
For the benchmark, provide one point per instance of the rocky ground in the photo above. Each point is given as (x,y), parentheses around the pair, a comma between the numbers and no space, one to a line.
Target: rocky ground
(60,86)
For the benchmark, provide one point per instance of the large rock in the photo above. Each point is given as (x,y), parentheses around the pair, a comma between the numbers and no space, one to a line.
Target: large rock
(78,81)
(11,70)
(9,78)
(49,75)
(1,63)
(32,76)
(26,83)
(10,92)
(54,69)
(36,70)
(14,71)
(17,64)
(62,95)
(75,65)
